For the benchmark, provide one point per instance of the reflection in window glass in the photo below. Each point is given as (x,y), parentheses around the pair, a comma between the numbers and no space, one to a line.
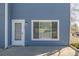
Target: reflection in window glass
(36,29)
(45,30)
(54,29)
(18,31)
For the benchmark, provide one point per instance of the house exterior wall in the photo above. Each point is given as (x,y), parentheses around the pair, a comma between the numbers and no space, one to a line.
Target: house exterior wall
(9,24)
(40,11)
(2,25)
(54,11)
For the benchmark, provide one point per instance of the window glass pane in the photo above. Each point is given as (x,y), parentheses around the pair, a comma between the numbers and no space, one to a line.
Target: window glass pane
(35,30)
(54,29)
(45,30)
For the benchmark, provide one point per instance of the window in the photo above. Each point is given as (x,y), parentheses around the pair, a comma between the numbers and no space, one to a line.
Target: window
(45,30)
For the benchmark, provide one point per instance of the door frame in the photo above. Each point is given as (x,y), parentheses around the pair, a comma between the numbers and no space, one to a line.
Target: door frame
(13,27)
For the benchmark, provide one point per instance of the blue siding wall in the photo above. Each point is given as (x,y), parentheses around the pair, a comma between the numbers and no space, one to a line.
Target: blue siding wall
(44,12)
(2,25)
(9,24)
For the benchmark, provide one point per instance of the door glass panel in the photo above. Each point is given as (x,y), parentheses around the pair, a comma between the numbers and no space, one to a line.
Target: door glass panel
(18,31)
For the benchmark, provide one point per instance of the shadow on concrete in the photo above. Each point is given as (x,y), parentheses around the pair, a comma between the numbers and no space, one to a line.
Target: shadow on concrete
(52,53)
(77,53)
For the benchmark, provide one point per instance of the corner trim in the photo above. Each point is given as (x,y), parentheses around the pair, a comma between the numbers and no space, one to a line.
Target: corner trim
(6,25)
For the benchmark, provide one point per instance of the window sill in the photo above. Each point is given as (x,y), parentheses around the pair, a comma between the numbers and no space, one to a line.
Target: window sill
(45,39)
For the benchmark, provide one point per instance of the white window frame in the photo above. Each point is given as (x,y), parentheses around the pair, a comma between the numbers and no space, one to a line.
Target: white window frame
(53,39)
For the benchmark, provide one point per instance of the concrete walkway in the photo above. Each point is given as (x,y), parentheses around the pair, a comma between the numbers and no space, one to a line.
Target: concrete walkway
(39,51)
(67,51)
(1,50)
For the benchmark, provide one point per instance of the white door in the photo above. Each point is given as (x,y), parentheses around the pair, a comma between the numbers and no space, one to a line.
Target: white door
(18,32)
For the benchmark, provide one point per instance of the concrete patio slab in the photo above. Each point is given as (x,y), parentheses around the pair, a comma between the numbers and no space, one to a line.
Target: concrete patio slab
(1,50)
(67,51)
(39,51)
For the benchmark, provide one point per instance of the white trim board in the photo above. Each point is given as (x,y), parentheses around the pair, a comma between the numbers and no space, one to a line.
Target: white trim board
(6,25)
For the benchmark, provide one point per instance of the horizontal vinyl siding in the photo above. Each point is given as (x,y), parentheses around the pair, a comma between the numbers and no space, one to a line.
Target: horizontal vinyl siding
(2,25)
(52,11)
